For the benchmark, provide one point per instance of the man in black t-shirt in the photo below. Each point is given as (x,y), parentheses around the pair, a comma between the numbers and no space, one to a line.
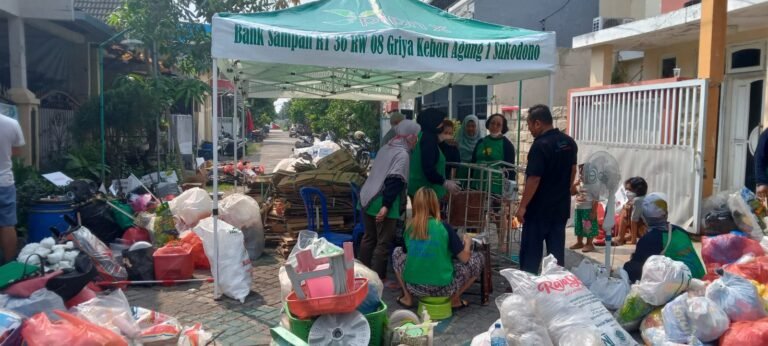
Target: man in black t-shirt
(546,203)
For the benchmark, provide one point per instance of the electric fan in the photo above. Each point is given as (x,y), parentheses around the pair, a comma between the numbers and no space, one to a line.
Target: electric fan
(602,178)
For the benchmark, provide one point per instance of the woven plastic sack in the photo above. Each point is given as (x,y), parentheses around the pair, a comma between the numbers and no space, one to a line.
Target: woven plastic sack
(233,276)
(192,206)
(728,248)
(240,211)
(70,330)
(708,321)
(611,291)
(746,333)
(663,279)
(738,298)
(558,290)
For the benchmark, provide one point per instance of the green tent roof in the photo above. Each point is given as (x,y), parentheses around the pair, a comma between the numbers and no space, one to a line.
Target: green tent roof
(373,49)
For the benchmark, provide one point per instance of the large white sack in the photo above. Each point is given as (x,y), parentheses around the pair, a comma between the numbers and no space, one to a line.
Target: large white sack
(234,265)
(663,279)
(192,206)
(557,292)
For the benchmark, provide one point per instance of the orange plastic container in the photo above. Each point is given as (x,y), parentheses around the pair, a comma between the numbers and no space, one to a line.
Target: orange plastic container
(173,262)
(339,304)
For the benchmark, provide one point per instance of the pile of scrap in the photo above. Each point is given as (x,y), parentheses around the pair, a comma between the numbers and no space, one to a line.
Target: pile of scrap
(286,214)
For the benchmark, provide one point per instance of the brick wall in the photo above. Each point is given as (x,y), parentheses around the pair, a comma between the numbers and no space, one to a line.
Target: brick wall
(560,116)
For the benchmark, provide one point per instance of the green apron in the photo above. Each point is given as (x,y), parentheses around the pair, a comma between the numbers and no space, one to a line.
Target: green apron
(428,262)
(681,249)
(489,150)
(416,177)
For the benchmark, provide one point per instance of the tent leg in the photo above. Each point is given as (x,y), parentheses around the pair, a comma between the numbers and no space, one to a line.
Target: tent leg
(519,117)
(215,209)
(234,129)
(450,101)
(474,101)
(551,99)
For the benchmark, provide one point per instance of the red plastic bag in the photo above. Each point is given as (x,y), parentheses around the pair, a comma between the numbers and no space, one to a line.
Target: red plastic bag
(192,241)
(728,248)
(755,269)
(70,331)
(135,234)
(746,333)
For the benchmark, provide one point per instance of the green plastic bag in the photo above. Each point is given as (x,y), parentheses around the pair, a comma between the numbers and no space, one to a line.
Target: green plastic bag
(633,311)
(122,220)
(165,227)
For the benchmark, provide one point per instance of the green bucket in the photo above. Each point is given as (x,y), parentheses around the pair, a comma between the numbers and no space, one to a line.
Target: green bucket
(439,308)
(376,320)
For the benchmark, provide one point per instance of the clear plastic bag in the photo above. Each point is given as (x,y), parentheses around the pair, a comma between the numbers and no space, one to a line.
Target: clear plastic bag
(110,311)
(194,336)
(557,291)
(192,206)
(570,328)
(41,300)
(663,279)
(156,327)
(100,254)
(708,320)
(232,273)
(738,298)
(675,320)
(611,291)
(586,271)
(633,310)
(518,317)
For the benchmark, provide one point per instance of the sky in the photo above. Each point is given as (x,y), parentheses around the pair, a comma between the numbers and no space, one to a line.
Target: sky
(279,104)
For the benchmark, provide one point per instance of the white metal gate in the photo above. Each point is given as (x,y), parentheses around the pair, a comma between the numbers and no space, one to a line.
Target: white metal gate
(655,131)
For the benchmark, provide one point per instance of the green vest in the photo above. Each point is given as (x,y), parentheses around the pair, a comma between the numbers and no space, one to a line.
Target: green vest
(416,177)
(489,150)
(681,249)
(428,262)
(376,203)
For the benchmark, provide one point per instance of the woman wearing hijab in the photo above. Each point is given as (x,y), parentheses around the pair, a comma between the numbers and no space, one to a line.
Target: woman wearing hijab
(468,138)
(382,195)
(680,248)
(427,161)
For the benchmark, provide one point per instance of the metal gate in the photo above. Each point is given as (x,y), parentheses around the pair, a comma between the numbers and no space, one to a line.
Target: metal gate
(655,131)
(57,115)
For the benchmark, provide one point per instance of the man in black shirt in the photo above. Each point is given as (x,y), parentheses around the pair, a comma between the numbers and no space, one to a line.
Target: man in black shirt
(546,203)
(761,165)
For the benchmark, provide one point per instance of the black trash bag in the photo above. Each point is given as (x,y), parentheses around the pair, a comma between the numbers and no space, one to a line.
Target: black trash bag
(139,264)
(719,221)
(98,218)
(72,281)
(82,190)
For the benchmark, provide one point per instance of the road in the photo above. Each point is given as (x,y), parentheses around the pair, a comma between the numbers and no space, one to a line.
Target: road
(275,147)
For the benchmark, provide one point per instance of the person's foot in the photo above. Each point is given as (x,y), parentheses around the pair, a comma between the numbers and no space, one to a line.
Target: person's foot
(406,302)
(588,248)
(576,246)
(618,242)
(460,304)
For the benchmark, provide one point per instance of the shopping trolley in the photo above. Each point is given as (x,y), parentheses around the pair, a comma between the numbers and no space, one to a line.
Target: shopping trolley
(485,207)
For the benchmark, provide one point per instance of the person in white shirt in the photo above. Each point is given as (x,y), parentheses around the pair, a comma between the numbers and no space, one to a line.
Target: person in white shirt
(11,141)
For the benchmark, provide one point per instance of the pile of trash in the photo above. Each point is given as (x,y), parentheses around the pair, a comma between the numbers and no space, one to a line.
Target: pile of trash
(736,211)
(323,285)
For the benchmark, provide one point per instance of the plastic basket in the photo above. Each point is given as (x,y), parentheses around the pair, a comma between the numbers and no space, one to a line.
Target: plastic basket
(439,308)
(339,304)
(376,320)
(173,262)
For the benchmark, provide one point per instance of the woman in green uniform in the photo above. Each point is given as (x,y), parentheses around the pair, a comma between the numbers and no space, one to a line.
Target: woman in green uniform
(383,194)
(427,161)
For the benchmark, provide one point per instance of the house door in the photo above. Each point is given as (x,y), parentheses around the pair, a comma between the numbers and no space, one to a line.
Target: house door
(746,110)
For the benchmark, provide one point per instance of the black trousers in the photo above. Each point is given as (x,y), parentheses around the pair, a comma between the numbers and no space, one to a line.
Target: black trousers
(536,232)
(376,243)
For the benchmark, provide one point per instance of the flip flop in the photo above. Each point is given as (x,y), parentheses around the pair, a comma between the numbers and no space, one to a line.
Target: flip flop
(400,302)
(464,304)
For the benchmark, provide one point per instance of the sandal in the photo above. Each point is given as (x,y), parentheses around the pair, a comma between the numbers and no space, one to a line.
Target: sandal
(400,302)
(464,304)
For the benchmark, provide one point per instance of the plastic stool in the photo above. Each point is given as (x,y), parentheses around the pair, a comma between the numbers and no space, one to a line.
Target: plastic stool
(439,308)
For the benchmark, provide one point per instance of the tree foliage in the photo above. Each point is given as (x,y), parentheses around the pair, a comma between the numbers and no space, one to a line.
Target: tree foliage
(262,111)
(336,116)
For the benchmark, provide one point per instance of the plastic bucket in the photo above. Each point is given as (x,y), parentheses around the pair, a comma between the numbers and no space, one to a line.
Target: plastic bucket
(376,320)
(43,215)
(439,308)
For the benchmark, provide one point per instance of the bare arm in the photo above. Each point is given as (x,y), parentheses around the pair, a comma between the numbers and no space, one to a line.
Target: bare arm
(531,185)
(463,256)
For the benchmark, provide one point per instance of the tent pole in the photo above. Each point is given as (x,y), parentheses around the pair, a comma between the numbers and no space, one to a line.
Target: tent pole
(519,116)
(551,99)
(450,101)
(215,209)
(245,116)
(474,111)
(234,126)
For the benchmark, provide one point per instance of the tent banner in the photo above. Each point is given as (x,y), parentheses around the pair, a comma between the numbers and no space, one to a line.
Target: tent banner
(386,49)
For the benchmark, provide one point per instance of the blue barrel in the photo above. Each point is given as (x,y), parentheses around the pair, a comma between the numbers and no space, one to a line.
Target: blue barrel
(46,214)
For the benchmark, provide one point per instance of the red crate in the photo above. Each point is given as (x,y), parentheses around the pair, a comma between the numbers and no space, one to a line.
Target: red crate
(173,262)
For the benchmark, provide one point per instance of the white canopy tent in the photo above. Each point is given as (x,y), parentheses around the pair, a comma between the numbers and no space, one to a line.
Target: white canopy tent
(382,50)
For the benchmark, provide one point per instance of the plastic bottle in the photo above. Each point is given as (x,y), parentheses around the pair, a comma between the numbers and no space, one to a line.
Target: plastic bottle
(498,337)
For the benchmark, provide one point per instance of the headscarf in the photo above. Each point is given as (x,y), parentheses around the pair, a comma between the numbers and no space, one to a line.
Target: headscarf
(430,119)
(466,143)
(655,211)
(392,160)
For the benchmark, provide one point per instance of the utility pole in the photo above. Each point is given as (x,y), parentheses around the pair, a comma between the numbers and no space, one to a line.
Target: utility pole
(714,21)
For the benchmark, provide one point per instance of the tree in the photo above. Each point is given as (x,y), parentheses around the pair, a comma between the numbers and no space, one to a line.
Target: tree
(336,116)
(262,111)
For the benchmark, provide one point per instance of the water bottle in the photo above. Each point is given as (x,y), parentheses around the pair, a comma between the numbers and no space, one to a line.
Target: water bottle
(498,337)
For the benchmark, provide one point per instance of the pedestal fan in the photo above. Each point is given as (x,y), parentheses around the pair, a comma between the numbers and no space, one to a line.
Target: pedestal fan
(602,178)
